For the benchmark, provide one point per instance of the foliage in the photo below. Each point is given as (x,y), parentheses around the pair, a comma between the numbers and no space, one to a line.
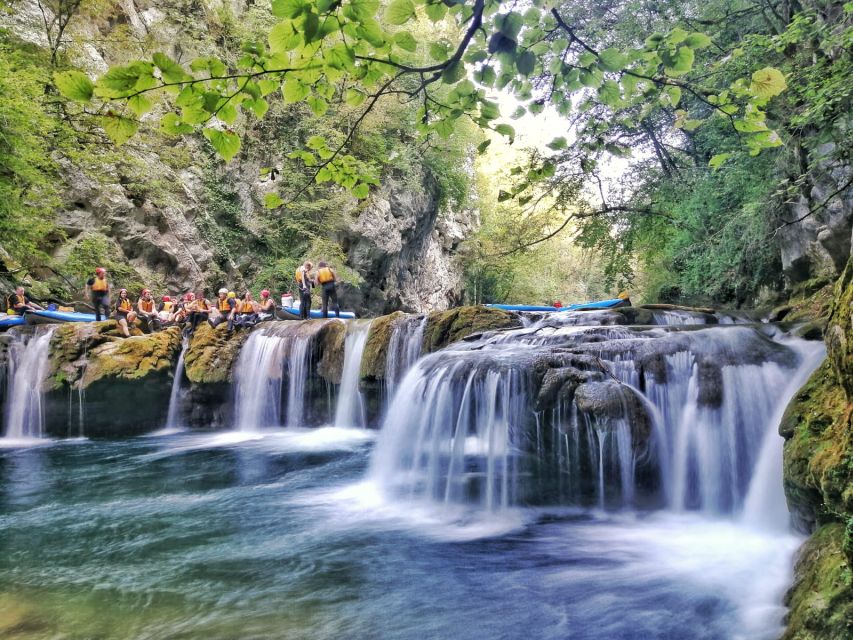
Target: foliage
(95,250)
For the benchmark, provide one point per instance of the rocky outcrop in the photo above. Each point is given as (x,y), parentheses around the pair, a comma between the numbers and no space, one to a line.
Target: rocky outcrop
(818,479)
(446,327)
(104,385)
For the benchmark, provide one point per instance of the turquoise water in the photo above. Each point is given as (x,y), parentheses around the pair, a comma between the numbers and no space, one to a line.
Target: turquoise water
(277,536)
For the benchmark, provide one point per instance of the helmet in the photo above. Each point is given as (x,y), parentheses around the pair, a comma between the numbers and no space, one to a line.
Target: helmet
(146,292)
(265,293)
(223,291)
(121,291)
(231,294)
(167,298)
(100,271)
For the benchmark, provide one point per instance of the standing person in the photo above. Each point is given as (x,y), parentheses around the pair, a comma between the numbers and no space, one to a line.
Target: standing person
(247,311)
(98,290)
(223,309)
(125,315)
(304,281)
(147,313)
(327,278)
(20,303)
(266,307)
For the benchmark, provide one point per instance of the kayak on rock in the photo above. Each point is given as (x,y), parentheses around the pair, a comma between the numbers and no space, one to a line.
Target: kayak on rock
(584,306)
(291,313)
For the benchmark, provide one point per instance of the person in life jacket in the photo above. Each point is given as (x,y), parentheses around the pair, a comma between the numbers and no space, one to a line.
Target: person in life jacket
(327,279)
(247,311)
(124,313)
(20,303)
(199,311)
(147,312)
(304,282)
(98,290)
(165,310)
(266,306)
(222,309)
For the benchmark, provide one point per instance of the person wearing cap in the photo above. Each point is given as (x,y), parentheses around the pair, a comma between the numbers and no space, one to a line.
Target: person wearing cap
(266,307)
(98,290)
(165,310)
(222,310)
(147,313)
(124,314)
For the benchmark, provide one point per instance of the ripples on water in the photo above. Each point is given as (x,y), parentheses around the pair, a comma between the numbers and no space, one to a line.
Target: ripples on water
(276,535)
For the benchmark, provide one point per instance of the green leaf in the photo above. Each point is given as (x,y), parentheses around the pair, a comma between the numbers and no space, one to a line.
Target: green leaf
(483,146)
(318,106)
(272,201)
(453,73)
(697,40)
(510,24)
(609,94)
(670,96)
(436,10)
(287,8)
(678,63)
(717,161)
(400,11)
(612,60)
(676,36)
(406,41)
(170,70)
(505,130)
(558,144)
(486,76)
(310,27)
(439,51)
(139,105)
(258,106)
(360,191)
(316,142)
(591,79)
(767,82)
(171,125)
(267,86)
(283,38)
(74,85)
(362,9)
(294,91)
(354,97)
(525,63)
(227,113)
(118,128)
(372,32)
(226,143)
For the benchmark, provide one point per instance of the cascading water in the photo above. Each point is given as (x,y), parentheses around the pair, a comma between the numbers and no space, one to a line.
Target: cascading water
(27,368)
(175,400)
(350,411)
(404,349)
(272,353)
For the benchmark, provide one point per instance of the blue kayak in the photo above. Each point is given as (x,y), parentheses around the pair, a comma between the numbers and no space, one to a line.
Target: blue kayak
(521,307)
(602,304)
(289,313)
(46,317)
(7,321)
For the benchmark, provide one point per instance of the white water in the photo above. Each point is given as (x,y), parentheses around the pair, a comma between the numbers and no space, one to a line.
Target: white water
(350,411)
(404,349)
(175,405)
(27,369)
(271,352)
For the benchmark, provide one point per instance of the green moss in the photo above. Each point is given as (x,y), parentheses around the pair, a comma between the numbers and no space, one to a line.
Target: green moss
(446,327)
(330,348)
(376,347)
(839,332)
(821,600)
(212,354)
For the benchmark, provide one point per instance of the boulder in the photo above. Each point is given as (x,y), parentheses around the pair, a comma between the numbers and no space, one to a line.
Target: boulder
(446,327)
(375,355)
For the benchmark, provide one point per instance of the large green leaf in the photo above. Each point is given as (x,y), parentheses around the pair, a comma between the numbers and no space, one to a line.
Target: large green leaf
(139,104)
(171,125)
(510,24)
(406,40)
(436,10)
(453,73)
(288,8)
(525,63)
(294,91)
(767,82)
(697,41)
(400,11)
(226,143)
(679,62)
(118,128)
(170,70)
(612,60)
(272,201)
(74,85)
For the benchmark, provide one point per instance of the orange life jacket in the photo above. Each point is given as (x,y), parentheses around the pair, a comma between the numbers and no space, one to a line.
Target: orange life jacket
(325,275)
(167,306)
(247,307)
(124,305)
(224,306)
(100,284)
(146,305)
(201,305)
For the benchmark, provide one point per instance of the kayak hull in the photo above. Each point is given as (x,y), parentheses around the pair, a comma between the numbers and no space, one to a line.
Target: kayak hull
(585,306)
(7,322)
(521,307)
(286,313)
(53,317)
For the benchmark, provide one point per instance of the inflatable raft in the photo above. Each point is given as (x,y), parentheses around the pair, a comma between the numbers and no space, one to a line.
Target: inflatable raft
(289,313)
(583,306)
(8,321)
(48,317)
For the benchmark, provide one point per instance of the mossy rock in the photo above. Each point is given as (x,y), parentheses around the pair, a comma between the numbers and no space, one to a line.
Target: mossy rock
(446,327)
(330,348)
(821,600)
(212,354)
(818,459)
(839,331)
(811,301)
(85,353)
(375,354)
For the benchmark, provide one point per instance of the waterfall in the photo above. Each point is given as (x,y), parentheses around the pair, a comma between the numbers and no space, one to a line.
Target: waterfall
(350,410)
(681,419)
(273,352)
(404,348)
(175,404)
(27,369)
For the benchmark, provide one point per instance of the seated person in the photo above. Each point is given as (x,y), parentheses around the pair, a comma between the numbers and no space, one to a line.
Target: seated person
(165,310)
(223,308)
(20,303)
(124,313)
(199,311)
(266,307)
(247,311)
(147,313)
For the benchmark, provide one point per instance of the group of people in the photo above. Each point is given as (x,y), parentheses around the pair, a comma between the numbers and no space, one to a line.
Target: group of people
(191,309)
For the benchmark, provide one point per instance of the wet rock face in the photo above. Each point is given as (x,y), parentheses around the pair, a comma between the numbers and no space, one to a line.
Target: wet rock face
(446,327)
(118,386)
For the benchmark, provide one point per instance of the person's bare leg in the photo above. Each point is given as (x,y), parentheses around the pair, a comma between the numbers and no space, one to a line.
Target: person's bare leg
(123,325)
